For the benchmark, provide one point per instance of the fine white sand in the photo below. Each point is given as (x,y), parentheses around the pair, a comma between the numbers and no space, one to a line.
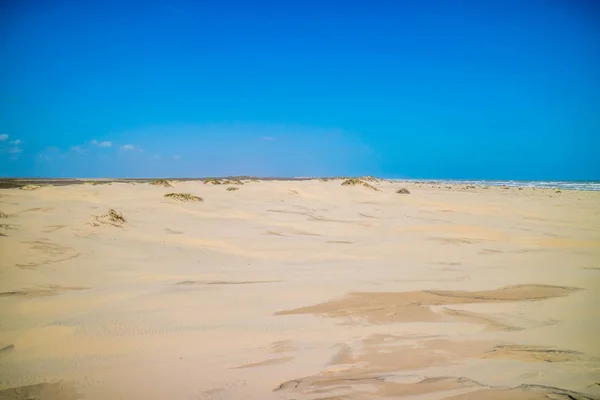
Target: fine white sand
(299,290)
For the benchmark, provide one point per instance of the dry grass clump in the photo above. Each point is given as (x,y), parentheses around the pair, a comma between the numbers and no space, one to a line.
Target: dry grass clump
(357,181)
(95,183)
(370,179)
(232,189)
(115,216)
(3,215)
(403,191)
(161,182)
(183,197)
(112,217)
(30,187)
(215,181)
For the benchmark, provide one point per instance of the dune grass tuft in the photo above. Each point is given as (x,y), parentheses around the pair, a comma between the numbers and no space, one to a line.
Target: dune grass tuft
(112,217)
(358,182)
(232,189)
(3,215)
(215,181)
(96,183)
(161,182)
(403,191)
(370,179)
(183,197)
(30,187)
(115,216)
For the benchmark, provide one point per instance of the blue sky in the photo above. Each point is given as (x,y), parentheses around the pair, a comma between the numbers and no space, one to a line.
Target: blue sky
(476,89)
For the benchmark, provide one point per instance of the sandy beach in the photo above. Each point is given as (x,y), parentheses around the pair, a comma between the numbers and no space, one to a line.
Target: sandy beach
(299,290)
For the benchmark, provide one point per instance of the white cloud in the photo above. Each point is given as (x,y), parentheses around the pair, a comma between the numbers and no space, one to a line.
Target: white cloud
(77,149)
(3,137)
(16,142)
(101,144)
(15,150)
(130,147)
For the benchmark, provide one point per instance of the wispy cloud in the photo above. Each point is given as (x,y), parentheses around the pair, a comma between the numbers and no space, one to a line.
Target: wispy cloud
(3,137)
(16,142)
(101,144)
(130,147)
(15,150)
(77,149)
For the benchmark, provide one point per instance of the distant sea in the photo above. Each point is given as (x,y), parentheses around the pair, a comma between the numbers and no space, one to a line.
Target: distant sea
(564,185)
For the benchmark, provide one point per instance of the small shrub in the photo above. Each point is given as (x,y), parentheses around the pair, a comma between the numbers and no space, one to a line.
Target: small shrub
(183,197)
(30,187)
(115,216)
(161,182)
(112,217)
(95,183)
(356,181)
(403,191)
(232,189)
(370,179)
(213,181)
(557,191)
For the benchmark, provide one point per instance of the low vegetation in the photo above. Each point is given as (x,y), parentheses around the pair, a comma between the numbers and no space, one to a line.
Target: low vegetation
(115,216)
(95,183)
(403,191)
(3,215)
(183,197)
(232,189)
(215,181)
(358,182)
(30,187)
(9,184)
(161,183)
(112,217)
(370,179)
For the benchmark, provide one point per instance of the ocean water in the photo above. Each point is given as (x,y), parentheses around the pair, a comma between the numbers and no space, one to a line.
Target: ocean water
(563,185)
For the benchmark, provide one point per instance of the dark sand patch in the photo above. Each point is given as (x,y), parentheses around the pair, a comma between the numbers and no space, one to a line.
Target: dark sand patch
(39,292)
(477,318)
(7,349)
(387,307)
(523,392)
(282,346)
(369,386)
(223,282)
(535,354)
(173,232)
(272,361)
(340,241)
(53,252)
(41,391)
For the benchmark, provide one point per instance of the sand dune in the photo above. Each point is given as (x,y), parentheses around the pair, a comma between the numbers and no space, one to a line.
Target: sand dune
(298,290)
